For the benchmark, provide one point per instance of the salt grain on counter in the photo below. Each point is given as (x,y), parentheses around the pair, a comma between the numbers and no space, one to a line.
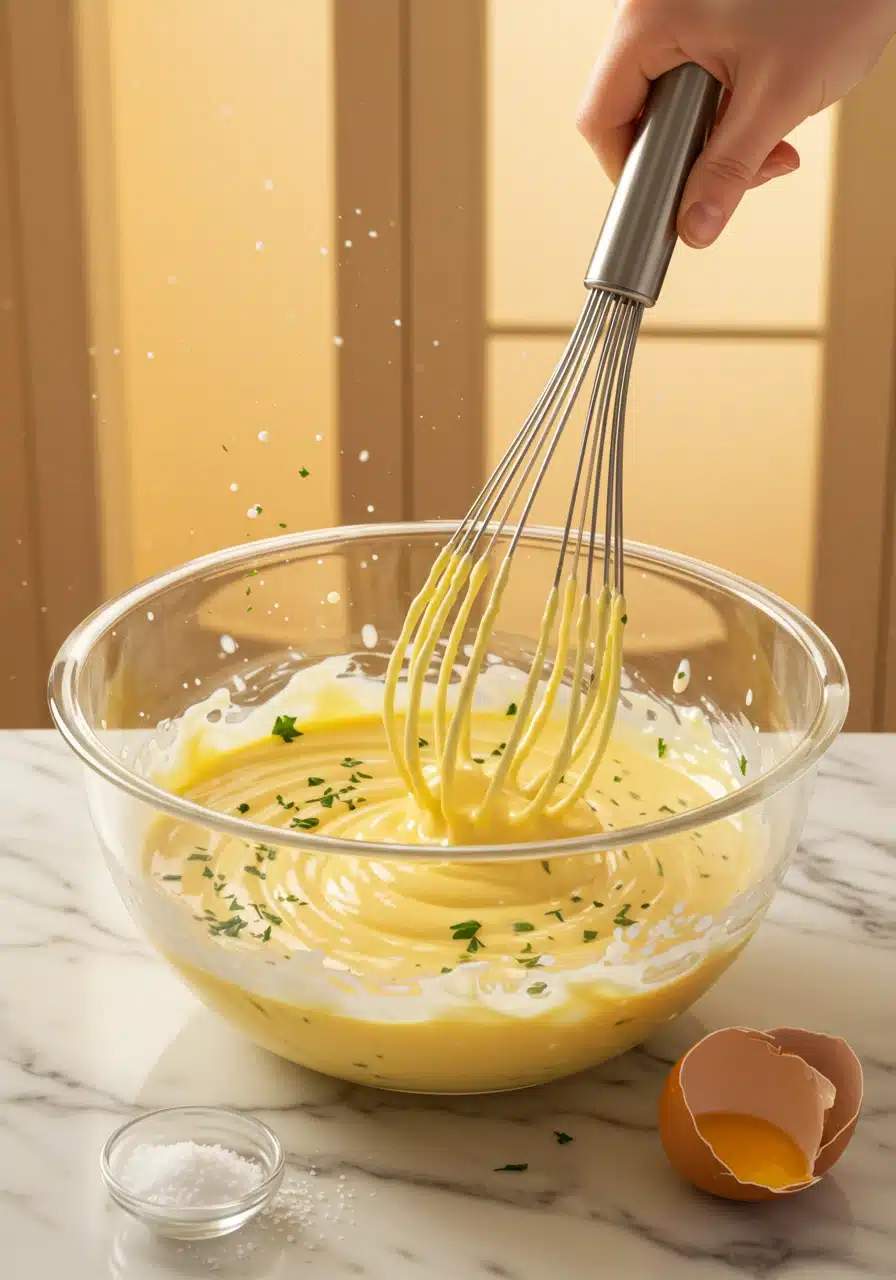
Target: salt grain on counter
(189,1174)
(363,455)
(263,436)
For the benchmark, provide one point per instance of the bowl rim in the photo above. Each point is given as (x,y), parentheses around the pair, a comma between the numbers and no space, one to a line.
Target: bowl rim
(814,742)
(197,1212)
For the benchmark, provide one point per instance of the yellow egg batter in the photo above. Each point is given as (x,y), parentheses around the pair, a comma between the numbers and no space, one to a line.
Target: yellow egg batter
(438,975)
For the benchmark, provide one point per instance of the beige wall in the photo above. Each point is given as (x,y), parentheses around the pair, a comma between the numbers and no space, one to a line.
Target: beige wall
(208,149)
(732,423)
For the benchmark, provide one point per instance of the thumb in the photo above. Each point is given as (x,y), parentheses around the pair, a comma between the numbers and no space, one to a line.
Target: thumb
(731,162)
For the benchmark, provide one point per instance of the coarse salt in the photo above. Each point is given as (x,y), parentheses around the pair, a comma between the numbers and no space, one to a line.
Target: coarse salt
(189,1174)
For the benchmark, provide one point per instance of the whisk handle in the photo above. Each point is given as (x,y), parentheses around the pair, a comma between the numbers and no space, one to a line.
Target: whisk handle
(638,235)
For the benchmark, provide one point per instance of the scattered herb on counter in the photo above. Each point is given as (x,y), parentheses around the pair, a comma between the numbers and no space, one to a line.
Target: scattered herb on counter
(172,877)
(421,742)
(661,747)
(536,988)
(555,912)
(242,808)
(589,935)
(743,766)
(621,918)
(511,1168)
(305,824)
(254,871)
(285,728)
(512,709)
(523,926)
(546,866)
(283,804)
(304,472)
(563,1138)
(199,857)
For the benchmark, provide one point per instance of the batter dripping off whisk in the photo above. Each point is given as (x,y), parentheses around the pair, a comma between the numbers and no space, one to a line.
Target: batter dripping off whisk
(586,609)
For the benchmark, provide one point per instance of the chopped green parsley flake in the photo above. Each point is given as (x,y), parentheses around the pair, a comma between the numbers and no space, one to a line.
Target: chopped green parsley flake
(305,824)
(522,926)
(285,728)
(512,709)
(199,857)
(242,808)
(283,804)
(254,871)
(546,867)
(536,988)
(511,1168)
(743,766)
(421,742)
(304,472)
(661,747)
(563,1138)
(621,917)
(558,914)
(590,934)
(172,877)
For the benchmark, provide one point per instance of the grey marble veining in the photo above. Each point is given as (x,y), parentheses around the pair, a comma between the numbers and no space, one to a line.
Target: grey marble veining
(93,1028)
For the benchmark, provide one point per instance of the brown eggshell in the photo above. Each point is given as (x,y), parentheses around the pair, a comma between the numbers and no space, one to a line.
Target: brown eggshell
(755,1073)
(833,1057)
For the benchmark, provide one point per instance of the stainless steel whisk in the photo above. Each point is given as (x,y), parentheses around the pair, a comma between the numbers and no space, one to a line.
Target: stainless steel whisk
(624,276)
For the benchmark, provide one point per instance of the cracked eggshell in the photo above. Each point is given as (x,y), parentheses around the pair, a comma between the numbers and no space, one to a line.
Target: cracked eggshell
(807,1084)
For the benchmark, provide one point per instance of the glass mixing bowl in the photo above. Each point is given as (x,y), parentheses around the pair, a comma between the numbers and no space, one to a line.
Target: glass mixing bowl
(764,682)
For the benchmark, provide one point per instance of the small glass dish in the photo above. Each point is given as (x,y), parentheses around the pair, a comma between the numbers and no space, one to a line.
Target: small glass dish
(244,1135)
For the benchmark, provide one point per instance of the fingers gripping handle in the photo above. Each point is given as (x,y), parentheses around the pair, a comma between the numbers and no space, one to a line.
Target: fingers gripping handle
(638,235)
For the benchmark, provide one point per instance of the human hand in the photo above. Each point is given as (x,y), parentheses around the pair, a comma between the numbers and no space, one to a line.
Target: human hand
(779,61)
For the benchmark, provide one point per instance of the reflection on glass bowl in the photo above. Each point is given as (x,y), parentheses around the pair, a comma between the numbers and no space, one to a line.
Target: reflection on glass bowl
(475,968)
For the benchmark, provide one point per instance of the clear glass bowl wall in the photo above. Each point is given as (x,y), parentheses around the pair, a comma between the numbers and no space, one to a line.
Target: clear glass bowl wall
(769,684)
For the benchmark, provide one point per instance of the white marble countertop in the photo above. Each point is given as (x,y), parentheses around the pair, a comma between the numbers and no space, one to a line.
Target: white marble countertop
(93,1027)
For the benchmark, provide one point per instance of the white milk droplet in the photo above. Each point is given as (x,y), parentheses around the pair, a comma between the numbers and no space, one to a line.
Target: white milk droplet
(228,644)
(369,635)
(363,456)
(682,676)
(332,597)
